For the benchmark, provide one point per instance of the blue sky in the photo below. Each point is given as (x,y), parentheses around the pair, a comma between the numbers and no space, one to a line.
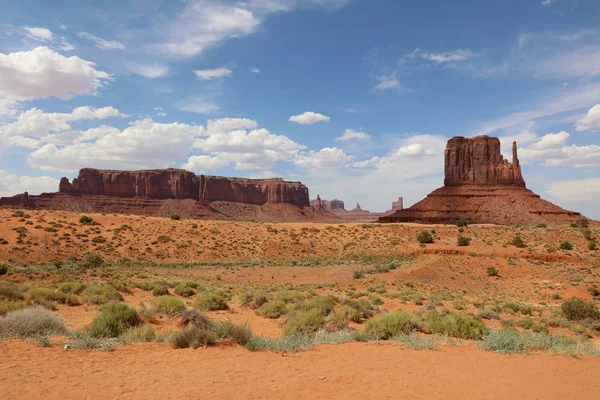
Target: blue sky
(354,98)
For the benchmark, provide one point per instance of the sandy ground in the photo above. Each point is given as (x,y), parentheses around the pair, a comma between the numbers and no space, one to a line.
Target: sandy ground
(349,371)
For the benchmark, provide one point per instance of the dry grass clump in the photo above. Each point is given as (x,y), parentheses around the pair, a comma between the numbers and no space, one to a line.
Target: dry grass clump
(240,334)
(211,301)
(31,322)
(195,318)
(142,333)
(168,305)
(455,325)
(390,325)
(46,297)
(577,309)
(114,319)
(100,294)
(193,337)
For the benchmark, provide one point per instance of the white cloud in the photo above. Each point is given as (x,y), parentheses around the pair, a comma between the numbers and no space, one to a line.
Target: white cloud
(329,157)
(210,74)
(66,46)
(591,122)
(63,27)
(39,34)
(42,73)
(102,43)
(351,134)
(309,118)
(448,57)
(150,71)
(255,70)
(11,184)
(575,190)
(388,81)
(204,163)
(144,144)
(553,149)
(32,127)
(197,105)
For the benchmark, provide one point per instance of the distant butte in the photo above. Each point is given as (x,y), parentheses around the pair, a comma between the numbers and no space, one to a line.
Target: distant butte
(482,187)
(337,208)
(174,191)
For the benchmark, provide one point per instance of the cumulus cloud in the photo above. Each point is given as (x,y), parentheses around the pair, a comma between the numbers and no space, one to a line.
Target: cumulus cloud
(309,118)
(102,43)
(210,74)
(11,184)
(42,73)
(33,127)
(575,190)
(591,122)
(197,105)
(329,157)
(554,150)
(351,134)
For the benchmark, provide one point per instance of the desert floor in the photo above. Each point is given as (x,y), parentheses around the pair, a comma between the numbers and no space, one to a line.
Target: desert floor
(382,264)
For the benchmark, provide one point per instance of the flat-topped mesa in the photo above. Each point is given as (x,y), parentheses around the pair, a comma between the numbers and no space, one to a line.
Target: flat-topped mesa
(478,161)
(181,184)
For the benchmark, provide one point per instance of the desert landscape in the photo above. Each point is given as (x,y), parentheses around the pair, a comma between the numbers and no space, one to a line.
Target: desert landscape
(147,306)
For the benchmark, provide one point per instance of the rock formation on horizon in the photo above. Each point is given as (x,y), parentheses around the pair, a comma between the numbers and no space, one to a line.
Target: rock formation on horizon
(481,187)
(173,191)
(336,207)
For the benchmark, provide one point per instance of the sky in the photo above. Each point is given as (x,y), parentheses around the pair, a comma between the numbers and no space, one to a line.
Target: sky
(354,98)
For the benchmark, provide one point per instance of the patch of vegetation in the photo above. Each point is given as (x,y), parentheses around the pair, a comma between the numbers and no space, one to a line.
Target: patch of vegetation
(578,309)
(512,341)
(463,241)
(193,337)
(582,222)
(272,309)
(195,318)
(168,305)
(492,271)
(92,260)
(100,294)
(185,289)
(390,325)
(424,237)
(211,301)
(456,325)
(31,322)
(240,334)
(175,217)
(518,242)
(114,319)
(462,222)
(306,322)
(566,245)
(142,333)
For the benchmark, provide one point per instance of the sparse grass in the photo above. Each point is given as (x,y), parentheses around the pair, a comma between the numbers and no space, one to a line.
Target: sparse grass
(518,242)
(31,322)
(168,305)
(192,337)
(272,309)
(390,325)
(210,301)
(512,341)
(463,241)
(100,294)
(195,318)
(455,325)
(492,271)
(306,322)
(240,334)
(141,333)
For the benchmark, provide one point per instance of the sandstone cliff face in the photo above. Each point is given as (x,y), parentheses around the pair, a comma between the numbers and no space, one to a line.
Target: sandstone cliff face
(478,161)
(181,184)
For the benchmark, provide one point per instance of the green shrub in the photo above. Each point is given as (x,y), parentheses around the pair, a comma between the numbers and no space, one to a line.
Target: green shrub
(358,274)
(11,291)
(390,325)
(462,222)
(463,241)
(273,309)
(192,337)
(31,322)
(424,237)
(72,287)
(252,298)
(456,325)
(100,294)
(184,289)
(356,310)
(240,334)
(142,333)
(85,220)
(582,222)
(46,296)
(114,319)
(175,217)
(3,269)
(306,322)
(92,260)
(160,290)
(288,296)
(11,305)
(210,301)
(492,271)
(577,309)
(518,242)
(285,344)
(195,318)
(322,303)
(512,341)
(566,245)
(592,245)
(168,305)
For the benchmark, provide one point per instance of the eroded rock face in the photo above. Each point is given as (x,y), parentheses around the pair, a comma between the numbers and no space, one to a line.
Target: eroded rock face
(478,161)
(181,184)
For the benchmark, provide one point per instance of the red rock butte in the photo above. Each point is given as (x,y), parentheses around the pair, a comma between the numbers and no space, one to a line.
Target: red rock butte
(173,191)
(482,187)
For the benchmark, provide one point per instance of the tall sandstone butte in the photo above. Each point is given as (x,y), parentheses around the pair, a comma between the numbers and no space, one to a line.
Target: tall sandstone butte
(173,191)
(481,187)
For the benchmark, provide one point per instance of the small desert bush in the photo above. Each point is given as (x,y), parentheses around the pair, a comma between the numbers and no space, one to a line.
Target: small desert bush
(143,333)
(322,303)
(175,217)
(160,290)
(100,294)
(240,334)
(192,337)
(390,325)
(463,241)
(72,287)
(289,297)
(582,222)
(306,322)
(356,310)
(114,319)
(3,269)
(566,245)
(518,242)
(492,271)
(284,344)
(252,298)
(592,245)
(424,237)
(31,322)
(577,309)
(358,274)
(211,301)
(85,220)
(168,305)
(184,289)
(512,341)
(272,309)
(11,291)
(456,325)
(11,305)
(47,296)
(462,222)
(195,318)
(92,260)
